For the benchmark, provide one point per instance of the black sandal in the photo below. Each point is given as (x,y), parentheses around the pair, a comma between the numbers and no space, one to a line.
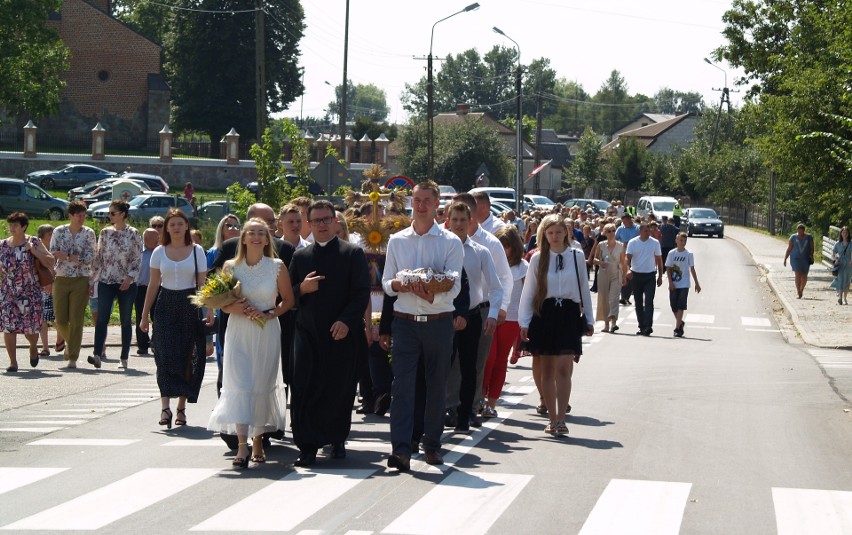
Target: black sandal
(167,421)
(241,462)
(178,419)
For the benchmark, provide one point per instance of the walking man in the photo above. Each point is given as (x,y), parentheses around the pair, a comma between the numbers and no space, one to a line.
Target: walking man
(680,263)
(643,257)
(422,325)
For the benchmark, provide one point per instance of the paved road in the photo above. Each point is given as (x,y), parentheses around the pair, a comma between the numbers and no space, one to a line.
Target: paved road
(730,430)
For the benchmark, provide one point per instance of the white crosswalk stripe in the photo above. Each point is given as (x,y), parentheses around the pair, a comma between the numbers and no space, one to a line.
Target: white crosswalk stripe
(833,358)
(812,512)
(140,490)
(12,478)
(638,507)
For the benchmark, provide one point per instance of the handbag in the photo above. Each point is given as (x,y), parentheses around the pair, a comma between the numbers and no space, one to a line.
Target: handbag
(44,273)
(583,322)
(200,325)
(835,269)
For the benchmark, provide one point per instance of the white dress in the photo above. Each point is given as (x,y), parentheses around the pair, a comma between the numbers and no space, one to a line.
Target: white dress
(252,388)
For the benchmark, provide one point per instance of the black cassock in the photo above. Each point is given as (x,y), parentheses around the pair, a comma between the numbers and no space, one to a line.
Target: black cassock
(323,382)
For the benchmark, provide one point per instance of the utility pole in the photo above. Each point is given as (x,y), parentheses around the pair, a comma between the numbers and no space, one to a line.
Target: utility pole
(344,89)
(260,68)
(536,182)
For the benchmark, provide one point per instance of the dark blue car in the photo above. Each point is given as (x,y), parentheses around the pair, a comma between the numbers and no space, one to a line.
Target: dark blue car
(71,175)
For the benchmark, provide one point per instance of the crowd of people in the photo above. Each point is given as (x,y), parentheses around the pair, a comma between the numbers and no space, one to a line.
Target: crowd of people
(302,336)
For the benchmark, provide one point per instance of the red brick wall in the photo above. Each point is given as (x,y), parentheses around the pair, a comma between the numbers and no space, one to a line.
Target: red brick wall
(100,44)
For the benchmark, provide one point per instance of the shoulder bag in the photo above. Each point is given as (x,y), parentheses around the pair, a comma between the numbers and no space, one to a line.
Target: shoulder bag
(584,324)
(44,273)
(835,269)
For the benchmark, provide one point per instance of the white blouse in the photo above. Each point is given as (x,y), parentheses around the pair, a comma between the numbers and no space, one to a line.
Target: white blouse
(178,275)
(561,283)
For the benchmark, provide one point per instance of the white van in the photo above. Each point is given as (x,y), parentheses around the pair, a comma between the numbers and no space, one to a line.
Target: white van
(658,205)
(504,195)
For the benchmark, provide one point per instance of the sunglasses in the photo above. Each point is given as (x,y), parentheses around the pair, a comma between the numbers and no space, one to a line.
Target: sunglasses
(157,225)
(232,227)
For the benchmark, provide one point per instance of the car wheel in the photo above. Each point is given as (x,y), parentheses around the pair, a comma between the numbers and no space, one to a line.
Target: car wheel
(689,233)
(54,214)
(47,183)
(721,234)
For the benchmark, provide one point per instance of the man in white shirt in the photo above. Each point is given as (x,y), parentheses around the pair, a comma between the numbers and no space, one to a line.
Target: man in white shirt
(481,274)
(290,226)
(483,212)
(479,235)
(422,325)
(643,257)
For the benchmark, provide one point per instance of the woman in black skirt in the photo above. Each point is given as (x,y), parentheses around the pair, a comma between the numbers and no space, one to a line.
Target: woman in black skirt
(549,315)
(177,268)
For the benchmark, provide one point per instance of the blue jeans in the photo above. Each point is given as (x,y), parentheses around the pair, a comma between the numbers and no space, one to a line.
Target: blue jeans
(431,341)
(644,290)
(107,293)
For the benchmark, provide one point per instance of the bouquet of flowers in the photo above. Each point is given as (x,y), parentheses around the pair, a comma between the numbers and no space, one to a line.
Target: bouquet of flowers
(219,291)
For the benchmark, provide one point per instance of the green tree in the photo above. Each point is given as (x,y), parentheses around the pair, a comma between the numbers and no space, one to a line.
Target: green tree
(571,113)
(615,106)
(460,148)
(797,54)
(670,101)
(210,63)
(153,20)
(32,58)
(270,155)
(587,168)
(629,165)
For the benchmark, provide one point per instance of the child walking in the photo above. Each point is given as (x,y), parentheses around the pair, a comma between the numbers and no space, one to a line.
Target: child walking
(679,264)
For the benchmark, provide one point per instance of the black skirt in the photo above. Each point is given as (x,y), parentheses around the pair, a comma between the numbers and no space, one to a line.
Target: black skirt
(557,330)
(179,346)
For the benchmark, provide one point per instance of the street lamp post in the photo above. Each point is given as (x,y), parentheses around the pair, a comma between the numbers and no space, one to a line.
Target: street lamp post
(519,157)
(430,134)
(725,98)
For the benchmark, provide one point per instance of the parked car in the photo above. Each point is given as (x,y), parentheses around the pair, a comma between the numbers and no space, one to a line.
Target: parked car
(144,206)
(215,210)
(19,196)
(69,176)
(658,205)
(598,205)
(702,221)
(539,201)
(504,195)
(151,183)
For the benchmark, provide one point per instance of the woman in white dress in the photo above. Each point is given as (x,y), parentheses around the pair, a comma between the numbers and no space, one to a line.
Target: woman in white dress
(253,400)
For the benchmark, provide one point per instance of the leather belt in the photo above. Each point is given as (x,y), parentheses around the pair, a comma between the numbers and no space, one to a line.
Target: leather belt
(422,318)
(477,308)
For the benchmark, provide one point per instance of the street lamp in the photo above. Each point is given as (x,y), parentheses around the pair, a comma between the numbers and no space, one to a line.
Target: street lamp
(519,157)
(725,98)
(430,135)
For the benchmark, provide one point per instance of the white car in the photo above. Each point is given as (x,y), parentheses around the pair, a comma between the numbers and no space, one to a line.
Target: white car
(539,201)
(658,205)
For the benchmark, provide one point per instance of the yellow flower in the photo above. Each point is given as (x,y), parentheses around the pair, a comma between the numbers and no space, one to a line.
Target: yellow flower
(375,237)
(396,224)
(374,196)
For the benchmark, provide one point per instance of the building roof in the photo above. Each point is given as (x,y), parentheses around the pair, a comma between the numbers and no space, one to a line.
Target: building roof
(647,135)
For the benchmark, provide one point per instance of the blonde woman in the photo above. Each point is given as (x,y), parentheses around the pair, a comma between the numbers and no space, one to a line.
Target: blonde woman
(611,261)
(253,400)
(549,315)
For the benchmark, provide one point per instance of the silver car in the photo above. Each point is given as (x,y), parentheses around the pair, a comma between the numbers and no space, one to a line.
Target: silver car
(143,207)
(702,221)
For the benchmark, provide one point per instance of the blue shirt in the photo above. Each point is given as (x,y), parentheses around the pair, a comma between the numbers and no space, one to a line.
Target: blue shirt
(145,268)
(625,234)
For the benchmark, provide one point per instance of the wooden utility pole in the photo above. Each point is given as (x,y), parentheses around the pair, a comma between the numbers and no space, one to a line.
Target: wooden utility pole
(536,182)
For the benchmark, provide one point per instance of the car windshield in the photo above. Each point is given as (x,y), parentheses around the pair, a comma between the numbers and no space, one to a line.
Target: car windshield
(702,213)
(602,205)
(136,201)
(664,206)
(539,199)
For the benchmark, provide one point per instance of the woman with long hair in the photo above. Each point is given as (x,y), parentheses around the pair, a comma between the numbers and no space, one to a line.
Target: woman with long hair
(118,258)
(506,334)
(842,256)
(253,400)
(611,261)
(228,227)
(178,267)
(549,315)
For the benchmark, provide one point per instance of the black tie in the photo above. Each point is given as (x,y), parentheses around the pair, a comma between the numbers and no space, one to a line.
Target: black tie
(559,263)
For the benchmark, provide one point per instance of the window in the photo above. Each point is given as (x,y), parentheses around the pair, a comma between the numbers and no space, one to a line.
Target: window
(103,76)
(10,190)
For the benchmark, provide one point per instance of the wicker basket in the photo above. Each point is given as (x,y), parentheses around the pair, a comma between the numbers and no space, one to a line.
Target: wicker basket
(433,281)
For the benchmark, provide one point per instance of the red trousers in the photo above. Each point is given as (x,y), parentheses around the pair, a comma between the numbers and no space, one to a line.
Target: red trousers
(505,340)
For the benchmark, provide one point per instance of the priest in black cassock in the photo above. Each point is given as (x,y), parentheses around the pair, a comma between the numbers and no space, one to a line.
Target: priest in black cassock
(332,292)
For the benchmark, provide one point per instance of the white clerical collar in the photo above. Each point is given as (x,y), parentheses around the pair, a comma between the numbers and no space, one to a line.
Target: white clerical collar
(323,243)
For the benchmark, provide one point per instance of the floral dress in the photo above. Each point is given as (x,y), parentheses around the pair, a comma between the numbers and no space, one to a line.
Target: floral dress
(19,290)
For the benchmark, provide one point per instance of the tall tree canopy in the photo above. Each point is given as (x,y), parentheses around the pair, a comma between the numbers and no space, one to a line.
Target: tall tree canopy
(797,56)
(32,58)
(210,63)
(362,100)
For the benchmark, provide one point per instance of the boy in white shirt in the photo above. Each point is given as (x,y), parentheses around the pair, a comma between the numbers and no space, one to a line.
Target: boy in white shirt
(679,264)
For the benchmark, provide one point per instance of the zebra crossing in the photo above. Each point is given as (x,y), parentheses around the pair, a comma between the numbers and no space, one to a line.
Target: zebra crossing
(79,409)
(299,502)
(664,318)
(838,359)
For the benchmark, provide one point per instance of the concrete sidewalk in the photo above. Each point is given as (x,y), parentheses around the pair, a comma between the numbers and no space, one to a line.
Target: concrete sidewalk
(820,321)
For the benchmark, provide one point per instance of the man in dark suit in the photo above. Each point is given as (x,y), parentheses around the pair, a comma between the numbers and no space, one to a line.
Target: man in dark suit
(285,252)
(331,283)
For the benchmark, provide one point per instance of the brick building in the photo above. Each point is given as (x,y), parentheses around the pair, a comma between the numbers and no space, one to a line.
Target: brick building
(115,79)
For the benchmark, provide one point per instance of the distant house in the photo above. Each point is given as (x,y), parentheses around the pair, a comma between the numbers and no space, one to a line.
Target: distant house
(115,79)
(643,119)
(662,137)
